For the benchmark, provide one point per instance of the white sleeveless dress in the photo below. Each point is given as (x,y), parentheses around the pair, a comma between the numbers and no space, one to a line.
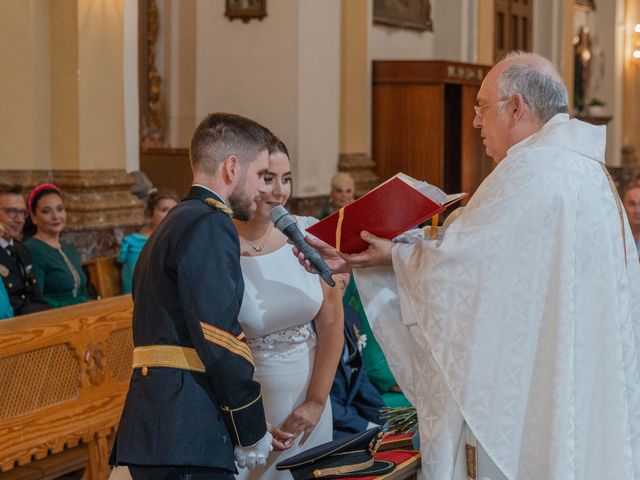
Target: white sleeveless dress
(280,301)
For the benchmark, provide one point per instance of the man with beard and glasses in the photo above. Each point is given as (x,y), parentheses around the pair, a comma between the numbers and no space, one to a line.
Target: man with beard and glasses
(192,403)
(15,259)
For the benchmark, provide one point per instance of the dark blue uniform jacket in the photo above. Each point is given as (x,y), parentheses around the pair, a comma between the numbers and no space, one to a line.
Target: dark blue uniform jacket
(187,291)
(354,400)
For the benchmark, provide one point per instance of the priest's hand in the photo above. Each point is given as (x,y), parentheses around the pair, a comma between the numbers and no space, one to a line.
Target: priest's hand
(378,253)
(332,258)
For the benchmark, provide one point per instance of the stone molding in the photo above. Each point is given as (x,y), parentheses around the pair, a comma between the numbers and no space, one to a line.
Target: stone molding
(362,169)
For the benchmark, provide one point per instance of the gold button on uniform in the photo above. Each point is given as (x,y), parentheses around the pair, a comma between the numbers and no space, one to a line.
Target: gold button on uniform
(144,370)
(23,296)
(10,285)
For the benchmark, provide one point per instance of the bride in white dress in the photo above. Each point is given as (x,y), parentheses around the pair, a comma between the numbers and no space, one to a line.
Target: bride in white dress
(295,364)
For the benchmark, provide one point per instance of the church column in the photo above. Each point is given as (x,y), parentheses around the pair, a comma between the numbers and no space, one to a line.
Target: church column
(70,124)
(631,109)
(355,95)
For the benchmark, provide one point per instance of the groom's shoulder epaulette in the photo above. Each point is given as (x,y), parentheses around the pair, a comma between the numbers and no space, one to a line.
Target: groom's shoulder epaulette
(218,205)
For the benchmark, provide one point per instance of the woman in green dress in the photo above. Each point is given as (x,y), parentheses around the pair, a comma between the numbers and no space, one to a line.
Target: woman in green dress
(56,264)
(158,205)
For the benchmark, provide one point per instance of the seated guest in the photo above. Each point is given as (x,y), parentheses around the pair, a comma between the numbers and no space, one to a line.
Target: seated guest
(355,402)
(56,264)
(152,137)
(6,311)
(631,202)
(15,260)
(375,363)
(158,204)
(342,193)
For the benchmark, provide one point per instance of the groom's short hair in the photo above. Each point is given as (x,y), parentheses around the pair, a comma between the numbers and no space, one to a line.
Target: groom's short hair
(221,135)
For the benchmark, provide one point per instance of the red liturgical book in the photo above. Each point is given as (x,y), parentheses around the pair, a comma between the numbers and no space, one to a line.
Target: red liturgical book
(388,210)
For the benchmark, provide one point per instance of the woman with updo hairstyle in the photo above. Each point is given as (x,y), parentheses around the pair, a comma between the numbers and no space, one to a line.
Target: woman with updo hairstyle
(159,202)
(293,326)
(56,264)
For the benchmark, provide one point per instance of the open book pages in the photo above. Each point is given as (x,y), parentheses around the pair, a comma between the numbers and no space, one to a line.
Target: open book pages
(430,191)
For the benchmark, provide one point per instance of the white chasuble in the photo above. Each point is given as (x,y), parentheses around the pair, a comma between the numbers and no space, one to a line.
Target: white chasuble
(522,320)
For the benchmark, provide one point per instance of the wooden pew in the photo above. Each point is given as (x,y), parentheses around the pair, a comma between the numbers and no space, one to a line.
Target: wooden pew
(104,275)
(64,374)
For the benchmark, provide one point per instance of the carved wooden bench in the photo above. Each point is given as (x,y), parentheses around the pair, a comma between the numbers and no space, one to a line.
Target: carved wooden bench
(104,275)
(64,375)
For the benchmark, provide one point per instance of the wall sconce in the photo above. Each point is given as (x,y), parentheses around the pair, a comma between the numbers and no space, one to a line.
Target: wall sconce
(635,47)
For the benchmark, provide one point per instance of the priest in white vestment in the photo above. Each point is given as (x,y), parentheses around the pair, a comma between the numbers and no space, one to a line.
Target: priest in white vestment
(516,331)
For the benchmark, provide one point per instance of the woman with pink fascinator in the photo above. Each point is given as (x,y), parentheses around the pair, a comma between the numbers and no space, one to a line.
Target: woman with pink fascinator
(56,264)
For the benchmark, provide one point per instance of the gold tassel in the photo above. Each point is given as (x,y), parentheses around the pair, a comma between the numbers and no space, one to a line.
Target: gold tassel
(212,202)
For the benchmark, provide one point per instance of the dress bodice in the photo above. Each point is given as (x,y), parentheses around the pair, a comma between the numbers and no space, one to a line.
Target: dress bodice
(279,294)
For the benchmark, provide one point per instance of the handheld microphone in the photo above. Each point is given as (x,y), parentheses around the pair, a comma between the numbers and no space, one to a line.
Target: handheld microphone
(284,222)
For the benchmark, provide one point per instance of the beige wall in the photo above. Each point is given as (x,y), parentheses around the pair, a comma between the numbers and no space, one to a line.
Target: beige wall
(61,99)
(355,72)
(282,71)
(24,84)
(177,64)
(318,129)
(453,36)
(631,108)
(100,85)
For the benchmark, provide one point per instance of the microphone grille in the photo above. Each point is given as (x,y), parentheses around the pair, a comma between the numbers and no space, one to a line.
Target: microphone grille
(278,212)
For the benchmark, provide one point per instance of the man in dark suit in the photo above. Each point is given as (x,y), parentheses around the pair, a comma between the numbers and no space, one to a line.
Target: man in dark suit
(355,402)
(192,403)
(15,259)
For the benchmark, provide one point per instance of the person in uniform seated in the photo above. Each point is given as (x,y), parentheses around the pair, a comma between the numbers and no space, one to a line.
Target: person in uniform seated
(342,193)
(631,202)
(159,202)
(355,402)
(6,310)
(374,361)
(295,362)
(15,260)
(193,405)
(56,264)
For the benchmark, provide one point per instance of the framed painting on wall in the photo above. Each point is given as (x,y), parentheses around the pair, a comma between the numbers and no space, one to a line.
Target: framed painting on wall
(586,5)
(412,14)
(246,10)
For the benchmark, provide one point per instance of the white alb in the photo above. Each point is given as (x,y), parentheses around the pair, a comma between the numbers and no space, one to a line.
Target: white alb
(522,320)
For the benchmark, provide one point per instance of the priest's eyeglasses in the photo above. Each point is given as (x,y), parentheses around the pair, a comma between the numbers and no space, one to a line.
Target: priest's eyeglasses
(16,212)
(479,108)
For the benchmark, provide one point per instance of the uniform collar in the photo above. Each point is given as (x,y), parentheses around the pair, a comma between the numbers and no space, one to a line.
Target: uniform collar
(4,243)
(200,192)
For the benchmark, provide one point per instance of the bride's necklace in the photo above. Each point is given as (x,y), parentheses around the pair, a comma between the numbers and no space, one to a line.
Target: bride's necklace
(258,245)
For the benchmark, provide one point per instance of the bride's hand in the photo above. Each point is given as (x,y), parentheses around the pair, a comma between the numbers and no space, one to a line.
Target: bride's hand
(281,440)
(303,420)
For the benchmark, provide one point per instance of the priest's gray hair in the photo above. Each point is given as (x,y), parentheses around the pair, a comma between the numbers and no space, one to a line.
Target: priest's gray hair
(535,79)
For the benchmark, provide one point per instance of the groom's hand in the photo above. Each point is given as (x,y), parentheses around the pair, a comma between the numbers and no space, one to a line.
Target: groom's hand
(256,454)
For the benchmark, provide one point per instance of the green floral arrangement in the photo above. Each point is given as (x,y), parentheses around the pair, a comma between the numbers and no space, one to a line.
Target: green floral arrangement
(400,419)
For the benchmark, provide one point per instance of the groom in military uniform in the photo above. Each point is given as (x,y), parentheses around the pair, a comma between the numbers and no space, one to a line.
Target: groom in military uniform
(192,403)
